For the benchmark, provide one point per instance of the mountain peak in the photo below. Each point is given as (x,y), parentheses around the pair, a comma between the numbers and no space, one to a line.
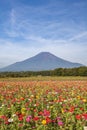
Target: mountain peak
(40,62)
(45,53)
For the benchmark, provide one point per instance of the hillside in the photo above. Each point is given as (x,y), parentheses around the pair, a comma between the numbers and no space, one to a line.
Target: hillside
(39,62)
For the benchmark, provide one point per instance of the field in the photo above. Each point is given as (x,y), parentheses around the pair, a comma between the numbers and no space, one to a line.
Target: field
(43,103)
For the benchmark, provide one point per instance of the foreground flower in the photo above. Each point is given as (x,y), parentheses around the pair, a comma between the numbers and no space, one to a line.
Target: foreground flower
(84,100)
(85,116)
(78,117)
(44,122)
(10,120)
(60,123)
(46,113)
(36,118)
(85,127)
(48,120)
(28,118)
(20,117)
(23,110)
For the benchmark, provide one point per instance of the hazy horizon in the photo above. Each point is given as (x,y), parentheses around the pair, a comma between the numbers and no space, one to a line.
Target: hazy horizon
(28,27)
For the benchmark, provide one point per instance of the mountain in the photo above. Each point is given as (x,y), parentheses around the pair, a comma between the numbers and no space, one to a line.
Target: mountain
(42,61)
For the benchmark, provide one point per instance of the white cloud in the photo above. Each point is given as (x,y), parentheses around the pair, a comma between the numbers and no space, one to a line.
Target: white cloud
(79,36)
(12,51)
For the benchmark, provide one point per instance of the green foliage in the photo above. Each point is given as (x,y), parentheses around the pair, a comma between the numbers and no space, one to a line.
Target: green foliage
(81,71)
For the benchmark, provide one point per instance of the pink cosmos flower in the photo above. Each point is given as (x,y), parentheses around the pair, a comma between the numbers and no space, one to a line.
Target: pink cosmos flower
(28,118)
(46,113)
(60,123)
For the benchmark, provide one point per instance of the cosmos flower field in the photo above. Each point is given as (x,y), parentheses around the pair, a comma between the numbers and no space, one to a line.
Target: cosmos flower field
(43,105)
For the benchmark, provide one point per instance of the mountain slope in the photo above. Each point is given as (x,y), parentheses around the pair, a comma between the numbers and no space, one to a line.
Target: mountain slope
(42,61)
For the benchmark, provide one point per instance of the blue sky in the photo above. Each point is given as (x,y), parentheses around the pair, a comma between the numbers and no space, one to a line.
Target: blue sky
(28,27)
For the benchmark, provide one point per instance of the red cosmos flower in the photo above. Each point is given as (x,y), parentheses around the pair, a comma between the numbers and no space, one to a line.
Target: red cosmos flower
(20,117)
(7,123)
(84,116)
(78,117)
(54,120)
(35,110)
(20,125)
(72,109)
(3,117)
(40,113)
(81,108)
(48,120)
(46,113)
(22,98)
(36,118)
(37,104)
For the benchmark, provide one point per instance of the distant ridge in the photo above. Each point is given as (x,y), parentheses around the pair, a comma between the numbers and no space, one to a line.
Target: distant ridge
(39,62)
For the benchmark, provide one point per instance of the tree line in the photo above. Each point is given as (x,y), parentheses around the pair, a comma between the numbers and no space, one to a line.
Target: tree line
(80,71)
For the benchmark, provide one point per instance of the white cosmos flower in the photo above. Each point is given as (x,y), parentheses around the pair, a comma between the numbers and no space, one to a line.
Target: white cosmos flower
(10,120)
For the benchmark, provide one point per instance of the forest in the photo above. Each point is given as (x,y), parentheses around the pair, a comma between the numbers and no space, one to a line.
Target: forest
(80,71)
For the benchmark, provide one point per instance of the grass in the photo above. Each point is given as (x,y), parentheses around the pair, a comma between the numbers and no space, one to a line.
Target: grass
(45,78)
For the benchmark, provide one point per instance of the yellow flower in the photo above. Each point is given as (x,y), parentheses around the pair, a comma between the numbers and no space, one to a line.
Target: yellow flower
(37,96)
(1,98)
(84,100)
(62,110)
(44,122)
(32,96)
(51,107)
(72,93)
(78,97)
(23,110)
